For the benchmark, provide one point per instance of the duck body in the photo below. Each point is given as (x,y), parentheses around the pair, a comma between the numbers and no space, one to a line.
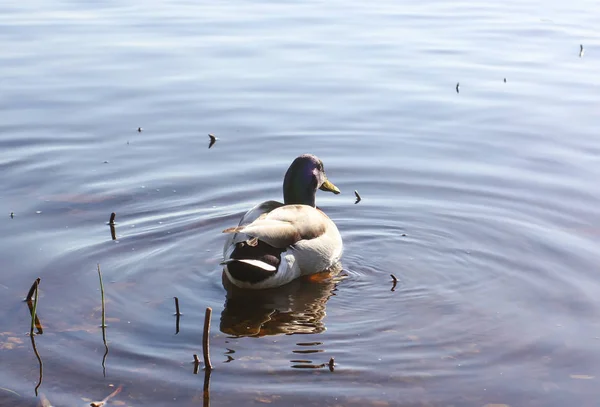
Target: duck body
(276,242)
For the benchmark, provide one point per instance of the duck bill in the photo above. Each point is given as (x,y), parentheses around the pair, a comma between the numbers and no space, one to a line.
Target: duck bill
(328,186)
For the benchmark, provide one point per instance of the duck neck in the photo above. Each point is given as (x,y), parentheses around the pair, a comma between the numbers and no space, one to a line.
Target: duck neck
(297,191)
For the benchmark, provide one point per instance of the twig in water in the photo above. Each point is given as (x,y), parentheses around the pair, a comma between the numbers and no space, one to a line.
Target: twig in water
(32,289)
(196,363)
(395,282)
(112,218)
(213,140)
(205,338)
(177,314)
(34,310)
(102,296)
(38,324)
(177,306)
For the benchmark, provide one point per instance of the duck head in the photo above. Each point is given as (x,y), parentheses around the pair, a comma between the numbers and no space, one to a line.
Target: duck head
(303,178)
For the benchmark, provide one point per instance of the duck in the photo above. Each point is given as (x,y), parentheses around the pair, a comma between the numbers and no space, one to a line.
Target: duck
(275,243)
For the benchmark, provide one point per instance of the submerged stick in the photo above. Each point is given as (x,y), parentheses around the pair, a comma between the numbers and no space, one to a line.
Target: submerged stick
(105,351)
(205,338)
(206,389)
(102,296)
(33,287)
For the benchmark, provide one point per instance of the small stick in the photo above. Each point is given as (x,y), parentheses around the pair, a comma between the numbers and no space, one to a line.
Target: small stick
(177,307)
(34,311)
(395,282)
(102,295)
(33,287)
(213,140)
(205,338)
(196,363)
(112,218)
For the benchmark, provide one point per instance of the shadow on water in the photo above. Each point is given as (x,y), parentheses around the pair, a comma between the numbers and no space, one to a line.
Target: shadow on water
(296,308)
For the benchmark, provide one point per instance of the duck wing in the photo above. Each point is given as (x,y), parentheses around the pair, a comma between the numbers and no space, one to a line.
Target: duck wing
(285,225)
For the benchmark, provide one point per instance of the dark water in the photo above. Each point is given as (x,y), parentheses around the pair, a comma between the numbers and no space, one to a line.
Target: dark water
(484,203)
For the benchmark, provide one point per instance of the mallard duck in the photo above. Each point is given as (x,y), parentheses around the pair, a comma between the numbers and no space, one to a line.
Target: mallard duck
(276,242)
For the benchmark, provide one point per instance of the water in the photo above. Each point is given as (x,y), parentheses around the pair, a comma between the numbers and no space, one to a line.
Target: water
(483,203)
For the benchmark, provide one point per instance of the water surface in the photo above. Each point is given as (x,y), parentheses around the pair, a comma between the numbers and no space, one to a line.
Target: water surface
(483,203)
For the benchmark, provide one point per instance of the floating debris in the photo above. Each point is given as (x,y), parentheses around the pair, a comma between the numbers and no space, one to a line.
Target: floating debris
(331,365)
(12,215)
(358,198)
(140,129)
(105,400)
(395,282)
(581,50)
(213,140)
(457,86)
(504,80)
(205,339)
(105,162)
(112,218)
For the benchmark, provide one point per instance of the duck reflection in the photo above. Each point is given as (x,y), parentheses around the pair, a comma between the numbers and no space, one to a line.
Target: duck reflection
(295,308)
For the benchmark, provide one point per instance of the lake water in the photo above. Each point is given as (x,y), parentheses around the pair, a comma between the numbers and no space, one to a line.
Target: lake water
(483,203)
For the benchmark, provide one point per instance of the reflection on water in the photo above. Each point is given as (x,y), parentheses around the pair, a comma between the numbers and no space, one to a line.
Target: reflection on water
(295,308)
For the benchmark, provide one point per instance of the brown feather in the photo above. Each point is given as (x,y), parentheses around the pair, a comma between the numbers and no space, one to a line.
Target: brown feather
(235,229)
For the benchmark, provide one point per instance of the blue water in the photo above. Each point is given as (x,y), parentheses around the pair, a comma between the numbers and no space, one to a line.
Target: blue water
(483,203)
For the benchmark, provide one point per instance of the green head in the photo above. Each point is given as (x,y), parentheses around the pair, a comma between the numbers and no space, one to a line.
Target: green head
(303,178)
